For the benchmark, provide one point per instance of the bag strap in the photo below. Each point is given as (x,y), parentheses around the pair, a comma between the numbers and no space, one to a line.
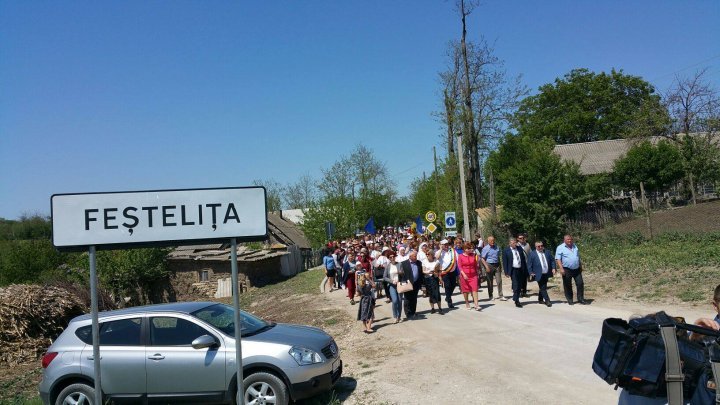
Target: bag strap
(674,376)
(714,352)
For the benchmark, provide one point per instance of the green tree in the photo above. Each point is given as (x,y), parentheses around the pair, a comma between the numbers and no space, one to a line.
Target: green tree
(658,166)
(540,193)
(694,106)
(273,193)
(337,210)
(34,226)
(584,106)
(131,272)
(28,261)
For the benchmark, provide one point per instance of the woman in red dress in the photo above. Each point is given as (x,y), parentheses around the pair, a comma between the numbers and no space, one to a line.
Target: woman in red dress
(468,264)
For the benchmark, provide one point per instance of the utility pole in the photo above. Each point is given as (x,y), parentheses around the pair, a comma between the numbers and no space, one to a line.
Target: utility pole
(463,196)
(646,205)
(437,193)
(493,208)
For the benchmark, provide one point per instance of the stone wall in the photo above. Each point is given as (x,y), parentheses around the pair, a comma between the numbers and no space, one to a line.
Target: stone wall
(185,279)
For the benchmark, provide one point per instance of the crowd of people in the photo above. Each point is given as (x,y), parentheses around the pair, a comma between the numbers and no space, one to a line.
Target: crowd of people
(397,265)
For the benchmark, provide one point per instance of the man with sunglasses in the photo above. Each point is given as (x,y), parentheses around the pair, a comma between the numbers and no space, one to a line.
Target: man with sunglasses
(542,265)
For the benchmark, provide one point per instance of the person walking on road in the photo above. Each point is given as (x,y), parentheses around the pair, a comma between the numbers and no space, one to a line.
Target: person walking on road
(365,289)
(569,265)
(490,257)
(542,265)
(525,250)
(391,277)
(515,267)
(412,272)
(468,264)
(448,262)
(330,269)
(379,266)
(348,276)
(431,272)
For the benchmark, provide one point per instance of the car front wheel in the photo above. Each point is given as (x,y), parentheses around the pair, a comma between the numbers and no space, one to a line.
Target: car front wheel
(264,388)
(76,394)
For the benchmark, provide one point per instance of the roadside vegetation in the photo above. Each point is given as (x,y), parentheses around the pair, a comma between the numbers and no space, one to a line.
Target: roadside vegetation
(672,267)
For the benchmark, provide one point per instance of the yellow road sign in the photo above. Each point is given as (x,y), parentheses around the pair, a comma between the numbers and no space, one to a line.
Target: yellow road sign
(431,228)
(430,216)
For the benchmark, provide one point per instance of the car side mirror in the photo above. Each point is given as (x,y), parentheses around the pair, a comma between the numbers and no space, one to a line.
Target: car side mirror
(204,341)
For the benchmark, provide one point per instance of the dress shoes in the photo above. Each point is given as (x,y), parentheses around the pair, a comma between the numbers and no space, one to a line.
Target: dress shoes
(570,303)
(583,302)
(548,304)
(517,304)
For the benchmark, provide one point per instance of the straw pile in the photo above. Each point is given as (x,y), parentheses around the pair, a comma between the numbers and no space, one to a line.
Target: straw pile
(32,316)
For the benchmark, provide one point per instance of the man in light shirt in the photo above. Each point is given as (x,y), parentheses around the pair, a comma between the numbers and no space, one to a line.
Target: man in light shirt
(490,256)
(568,263)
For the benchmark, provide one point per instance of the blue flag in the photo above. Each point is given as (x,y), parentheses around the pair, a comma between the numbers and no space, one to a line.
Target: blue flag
(419,228)
(370,226)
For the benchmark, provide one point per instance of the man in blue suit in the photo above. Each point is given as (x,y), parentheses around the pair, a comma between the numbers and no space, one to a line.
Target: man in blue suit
(542,266)
(515,267)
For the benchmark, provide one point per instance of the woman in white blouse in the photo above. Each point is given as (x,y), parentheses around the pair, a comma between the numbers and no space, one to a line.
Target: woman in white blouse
(392,277)
(431,271)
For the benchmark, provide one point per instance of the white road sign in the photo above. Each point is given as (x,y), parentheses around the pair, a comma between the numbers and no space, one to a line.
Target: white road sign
(450,234)
(450,221)
(110,220)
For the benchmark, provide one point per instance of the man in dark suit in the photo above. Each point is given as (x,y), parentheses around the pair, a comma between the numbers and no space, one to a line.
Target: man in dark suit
(515,267)
(542,265)
(412,272)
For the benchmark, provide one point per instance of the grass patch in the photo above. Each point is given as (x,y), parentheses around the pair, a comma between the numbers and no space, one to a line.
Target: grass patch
(21,400)
(691,296)
(675,265)
(307,282)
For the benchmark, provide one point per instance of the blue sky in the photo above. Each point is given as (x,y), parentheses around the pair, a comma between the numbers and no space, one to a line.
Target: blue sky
(106,96)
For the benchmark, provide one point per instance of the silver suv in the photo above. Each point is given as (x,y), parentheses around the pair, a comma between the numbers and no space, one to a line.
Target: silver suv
(185,352)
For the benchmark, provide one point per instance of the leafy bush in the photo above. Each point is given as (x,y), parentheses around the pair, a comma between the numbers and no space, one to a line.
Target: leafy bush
(28,261)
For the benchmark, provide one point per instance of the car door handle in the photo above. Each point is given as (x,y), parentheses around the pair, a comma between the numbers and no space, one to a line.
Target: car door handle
(156,356)
(93,357)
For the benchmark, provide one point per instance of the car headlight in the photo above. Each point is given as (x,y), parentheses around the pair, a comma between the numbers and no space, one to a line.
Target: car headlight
(304,356)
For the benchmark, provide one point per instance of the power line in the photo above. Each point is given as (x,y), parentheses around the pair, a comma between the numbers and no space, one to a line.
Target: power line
(407,170)
(686,68)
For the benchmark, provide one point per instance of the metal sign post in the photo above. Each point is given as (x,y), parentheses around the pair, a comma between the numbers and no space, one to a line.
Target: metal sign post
(238,325)
(95,326)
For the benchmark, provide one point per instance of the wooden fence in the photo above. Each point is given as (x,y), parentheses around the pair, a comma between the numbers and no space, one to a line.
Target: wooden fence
(600,213)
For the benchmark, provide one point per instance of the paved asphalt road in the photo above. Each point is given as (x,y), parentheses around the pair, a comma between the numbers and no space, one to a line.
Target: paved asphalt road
(502,355)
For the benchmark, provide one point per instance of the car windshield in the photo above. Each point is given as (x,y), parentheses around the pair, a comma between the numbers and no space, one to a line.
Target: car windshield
(222,317)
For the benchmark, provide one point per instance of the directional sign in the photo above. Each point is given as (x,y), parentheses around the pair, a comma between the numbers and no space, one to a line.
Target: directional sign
(450,233)
(430,216)
(450,221)
(431,228)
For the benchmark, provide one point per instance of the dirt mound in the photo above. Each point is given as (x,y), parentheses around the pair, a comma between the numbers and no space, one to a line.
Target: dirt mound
(31,316)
